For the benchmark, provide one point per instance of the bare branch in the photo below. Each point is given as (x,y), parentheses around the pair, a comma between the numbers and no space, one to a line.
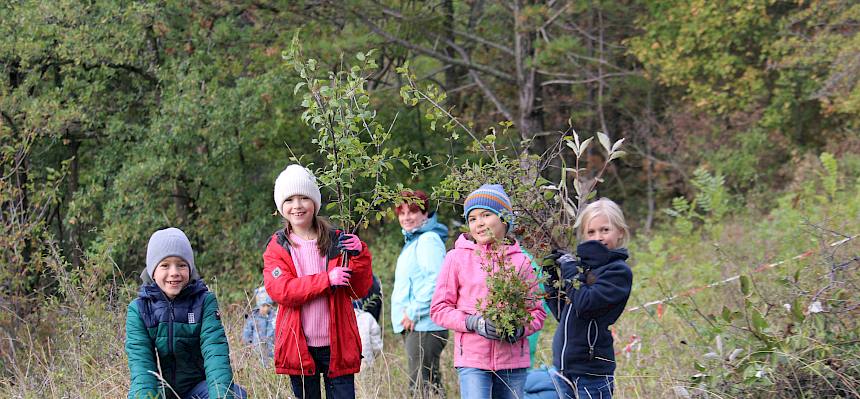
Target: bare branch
(680,169)
(461,88)
(475,14)
(477,78)
(583,81)
(478,39)
(432,53)
(555,16)
(574,27)
(467,35)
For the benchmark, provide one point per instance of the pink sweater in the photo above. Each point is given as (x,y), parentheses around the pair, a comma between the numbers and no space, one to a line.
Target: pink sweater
(315,313)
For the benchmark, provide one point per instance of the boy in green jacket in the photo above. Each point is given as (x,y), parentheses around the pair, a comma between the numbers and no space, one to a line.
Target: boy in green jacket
(175,341)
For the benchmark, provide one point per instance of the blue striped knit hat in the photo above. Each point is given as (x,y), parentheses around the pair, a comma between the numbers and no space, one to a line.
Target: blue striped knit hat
(493,198)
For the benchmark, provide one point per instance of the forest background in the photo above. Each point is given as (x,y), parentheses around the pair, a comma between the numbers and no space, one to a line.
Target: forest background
(740,121)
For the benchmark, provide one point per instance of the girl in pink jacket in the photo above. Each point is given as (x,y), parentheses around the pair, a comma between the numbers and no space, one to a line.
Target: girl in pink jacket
(489,364)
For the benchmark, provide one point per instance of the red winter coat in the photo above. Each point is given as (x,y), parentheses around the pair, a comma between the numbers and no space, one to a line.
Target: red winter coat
(291,292)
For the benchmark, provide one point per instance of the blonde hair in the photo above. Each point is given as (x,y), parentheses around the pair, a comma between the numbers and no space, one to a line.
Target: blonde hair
(611,211)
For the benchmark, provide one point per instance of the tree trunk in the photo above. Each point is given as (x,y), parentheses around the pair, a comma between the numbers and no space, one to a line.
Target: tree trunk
(649,175)
(529,112)
(74,244)
(181,202)
(601,85)
(452,73)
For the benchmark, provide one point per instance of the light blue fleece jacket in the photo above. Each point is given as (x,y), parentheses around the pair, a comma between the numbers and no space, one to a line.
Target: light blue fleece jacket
(415,275)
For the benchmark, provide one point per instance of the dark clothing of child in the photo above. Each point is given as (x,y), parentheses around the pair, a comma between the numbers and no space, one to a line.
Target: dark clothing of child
(583,344)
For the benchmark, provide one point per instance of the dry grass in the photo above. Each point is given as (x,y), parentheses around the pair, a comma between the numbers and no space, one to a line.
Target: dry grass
(73,347)
(76,350)
(79,353)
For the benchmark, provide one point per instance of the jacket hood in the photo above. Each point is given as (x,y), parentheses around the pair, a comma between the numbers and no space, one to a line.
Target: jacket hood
(151,290)
(595,254)
(465,242)
(431,225)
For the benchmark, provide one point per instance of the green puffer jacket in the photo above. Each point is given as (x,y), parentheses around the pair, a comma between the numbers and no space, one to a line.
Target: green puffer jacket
(185,336)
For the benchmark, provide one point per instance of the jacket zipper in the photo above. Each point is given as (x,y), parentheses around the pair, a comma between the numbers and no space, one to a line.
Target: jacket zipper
(493,355)
(170,341)
(564,342)
(592,343)
(461,343)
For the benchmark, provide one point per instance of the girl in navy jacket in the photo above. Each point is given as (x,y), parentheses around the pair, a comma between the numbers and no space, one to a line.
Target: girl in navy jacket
(593,292)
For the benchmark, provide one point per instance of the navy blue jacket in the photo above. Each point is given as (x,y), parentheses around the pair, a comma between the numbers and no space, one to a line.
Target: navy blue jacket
(372,302)
(582,343)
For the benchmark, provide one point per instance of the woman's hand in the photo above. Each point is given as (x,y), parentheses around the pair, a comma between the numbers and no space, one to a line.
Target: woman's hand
(408,324)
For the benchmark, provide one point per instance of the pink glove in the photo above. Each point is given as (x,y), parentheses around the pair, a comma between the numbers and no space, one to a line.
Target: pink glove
(339,276)
(349,243)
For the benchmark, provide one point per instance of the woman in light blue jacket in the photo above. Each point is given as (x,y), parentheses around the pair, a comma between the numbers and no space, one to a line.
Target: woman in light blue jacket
(414,284)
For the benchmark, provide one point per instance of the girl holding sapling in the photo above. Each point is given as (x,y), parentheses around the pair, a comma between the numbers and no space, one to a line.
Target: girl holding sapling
(316,333)
(593,292)
(491,361)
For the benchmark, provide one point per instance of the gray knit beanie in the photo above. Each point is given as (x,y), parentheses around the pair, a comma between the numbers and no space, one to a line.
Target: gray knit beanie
(296,180)
(169,242)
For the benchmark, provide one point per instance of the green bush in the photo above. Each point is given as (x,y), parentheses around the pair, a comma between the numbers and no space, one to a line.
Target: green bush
(785,327)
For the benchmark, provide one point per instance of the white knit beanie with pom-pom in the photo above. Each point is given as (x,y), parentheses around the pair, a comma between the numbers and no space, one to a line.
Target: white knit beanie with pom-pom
(296,180)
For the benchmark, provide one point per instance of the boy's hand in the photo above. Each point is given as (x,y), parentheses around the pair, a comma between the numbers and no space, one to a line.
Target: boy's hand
(339,276)
(349,243)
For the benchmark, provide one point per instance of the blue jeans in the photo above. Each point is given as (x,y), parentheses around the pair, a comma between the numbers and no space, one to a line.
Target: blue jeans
(584,386)
(201,391)
(499,384)
(308,387)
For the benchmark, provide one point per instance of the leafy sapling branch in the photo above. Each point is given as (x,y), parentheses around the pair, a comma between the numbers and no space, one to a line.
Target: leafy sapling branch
(353,144)
(546,211)
(510,293)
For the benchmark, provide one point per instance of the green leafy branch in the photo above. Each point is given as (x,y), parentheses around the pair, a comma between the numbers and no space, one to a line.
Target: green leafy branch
(546,211)
(351,140)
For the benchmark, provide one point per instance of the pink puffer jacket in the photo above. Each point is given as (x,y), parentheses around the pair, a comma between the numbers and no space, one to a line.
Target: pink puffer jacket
(462,281)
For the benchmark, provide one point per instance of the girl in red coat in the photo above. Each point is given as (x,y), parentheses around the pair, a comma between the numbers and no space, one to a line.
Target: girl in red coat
(316,331)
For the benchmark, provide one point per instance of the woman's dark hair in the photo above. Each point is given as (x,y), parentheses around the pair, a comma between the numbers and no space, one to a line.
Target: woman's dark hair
(414,201)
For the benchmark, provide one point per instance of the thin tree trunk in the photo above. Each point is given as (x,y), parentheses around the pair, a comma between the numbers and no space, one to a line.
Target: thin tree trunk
(591,125)
(600,83)
(530,114)
(181,202)
(74,178)
(452,73)
(649,172)
(649,175)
